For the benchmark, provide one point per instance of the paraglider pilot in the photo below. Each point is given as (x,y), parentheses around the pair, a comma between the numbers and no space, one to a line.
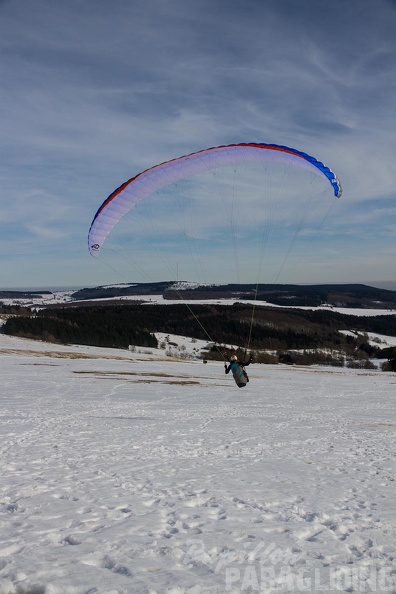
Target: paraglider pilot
(238,370)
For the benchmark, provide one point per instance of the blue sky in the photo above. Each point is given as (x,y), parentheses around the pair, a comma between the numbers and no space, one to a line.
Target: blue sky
(94,91)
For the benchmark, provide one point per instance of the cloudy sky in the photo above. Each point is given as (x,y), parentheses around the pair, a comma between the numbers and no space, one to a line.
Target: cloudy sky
(94,91)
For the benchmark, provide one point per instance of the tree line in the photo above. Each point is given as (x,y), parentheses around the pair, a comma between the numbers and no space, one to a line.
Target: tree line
(291,335)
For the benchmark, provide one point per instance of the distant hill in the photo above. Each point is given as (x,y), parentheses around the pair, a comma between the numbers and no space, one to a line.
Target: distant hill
(22,294)
(336,295)
(107,292)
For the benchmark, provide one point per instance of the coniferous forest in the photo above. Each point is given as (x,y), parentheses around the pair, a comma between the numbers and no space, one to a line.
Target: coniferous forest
(277,330)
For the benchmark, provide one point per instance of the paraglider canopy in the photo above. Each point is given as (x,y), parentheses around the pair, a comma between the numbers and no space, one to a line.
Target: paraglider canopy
(136,189)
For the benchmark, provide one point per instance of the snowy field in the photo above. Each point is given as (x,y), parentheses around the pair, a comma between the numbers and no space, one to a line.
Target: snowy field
(124,473)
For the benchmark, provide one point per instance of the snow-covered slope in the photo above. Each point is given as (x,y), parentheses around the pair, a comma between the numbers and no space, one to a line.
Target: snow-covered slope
(124,473)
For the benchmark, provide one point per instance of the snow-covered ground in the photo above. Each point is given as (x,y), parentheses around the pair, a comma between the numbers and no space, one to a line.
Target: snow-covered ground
(135,473)
(380,340)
